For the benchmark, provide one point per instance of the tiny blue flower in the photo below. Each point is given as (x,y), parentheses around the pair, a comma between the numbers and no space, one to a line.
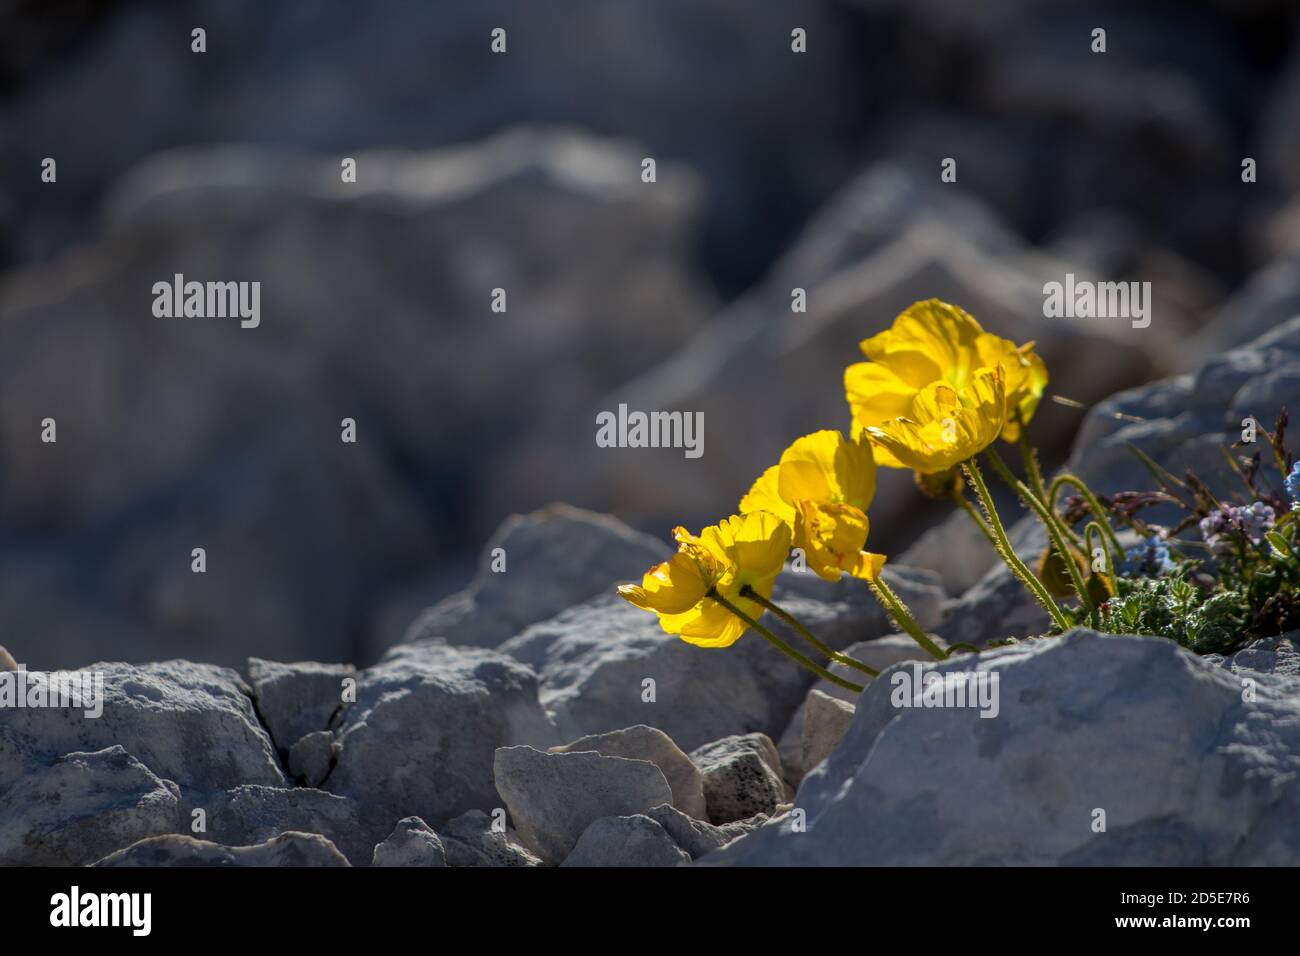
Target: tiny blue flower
(1293,485)
(1148,559)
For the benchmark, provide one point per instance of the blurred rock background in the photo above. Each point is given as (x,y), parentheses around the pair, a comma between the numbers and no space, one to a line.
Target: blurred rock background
(521,171)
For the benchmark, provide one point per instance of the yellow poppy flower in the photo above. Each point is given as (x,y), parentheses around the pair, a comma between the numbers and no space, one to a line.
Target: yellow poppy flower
(833,537)
(822,487)
(743,550)
(947,425)
(934,342)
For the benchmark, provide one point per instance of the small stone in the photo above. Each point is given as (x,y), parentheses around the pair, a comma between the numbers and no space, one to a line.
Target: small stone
(824,723)
(471,840)
(694,836)
(742,777)
(626,841)
(412,843)
(880,654)
(553,798)
(648,743)
(7,662)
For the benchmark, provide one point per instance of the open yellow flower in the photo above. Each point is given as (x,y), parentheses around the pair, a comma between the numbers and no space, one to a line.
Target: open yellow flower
(946,425)
(935,342)
(822,487)
(740,551)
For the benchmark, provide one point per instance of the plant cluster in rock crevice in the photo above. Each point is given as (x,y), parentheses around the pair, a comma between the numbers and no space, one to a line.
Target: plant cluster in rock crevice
(935,395)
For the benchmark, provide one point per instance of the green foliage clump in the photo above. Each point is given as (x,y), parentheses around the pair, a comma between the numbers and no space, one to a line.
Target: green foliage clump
(1227,573)
(1207,623)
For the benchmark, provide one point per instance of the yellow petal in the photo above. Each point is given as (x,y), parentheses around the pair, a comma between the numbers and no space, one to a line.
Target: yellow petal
(711,626)
(706,547)
(818,449)
(765,496)
(822,466)
(911,363)
(740,551)
(876,394)
(831,536)
(868,566)
(827,467)
(801,479)
(761,543)
(931,342)
(671,587)
(882,455)
(948,425)
(940,332)
(856,470)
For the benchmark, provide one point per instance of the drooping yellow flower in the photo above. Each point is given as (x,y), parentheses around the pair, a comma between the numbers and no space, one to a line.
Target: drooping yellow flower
(947,425)
(935,342)
(822,487)
(833,537)
(740,551)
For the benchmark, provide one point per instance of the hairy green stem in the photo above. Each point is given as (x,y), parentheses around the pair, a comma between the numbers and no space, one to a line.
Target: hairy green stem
(783,647)
(1068,478)
(1030,459)
(1014,483)
(975,516)
(1062,548)
(1006,552)
(806,634)
(903,617)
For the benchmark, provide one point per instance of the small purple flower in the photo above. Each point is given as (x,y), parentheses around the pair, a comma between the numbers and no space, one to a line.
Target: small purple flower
(1147,559)
(1223,530)
(1216,532)
(1256,520)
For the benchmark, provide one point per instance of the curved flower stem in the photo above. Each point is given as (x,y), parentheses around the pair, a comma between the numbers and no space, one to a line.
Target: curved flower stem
(1030,458)
(1006,552)
(903,617)
(806,634)
(1059,543)
(1022,491)
(975,516)
(1067,478)
(783,647)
